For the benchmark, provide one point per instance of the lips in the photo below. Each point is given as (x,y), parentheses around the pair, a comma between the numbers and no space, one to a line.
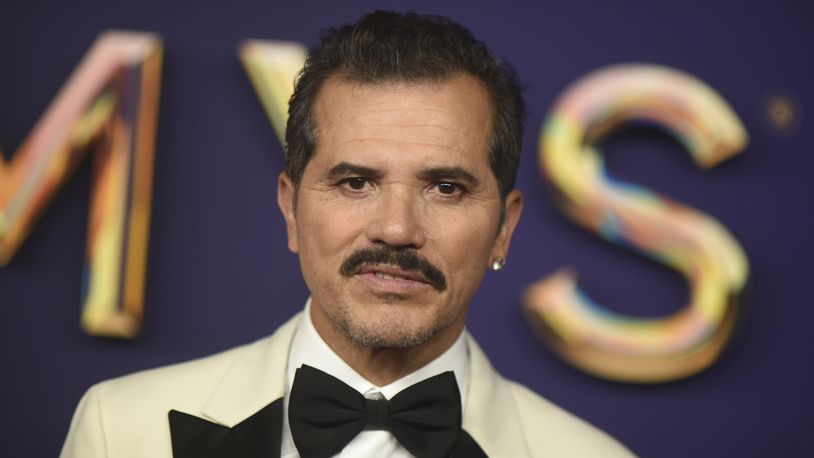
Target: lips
(391,279)
(393,273)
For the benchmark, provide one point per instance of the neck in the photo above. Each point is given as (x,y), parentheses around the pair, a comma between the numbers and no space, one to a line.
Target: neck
(382,366)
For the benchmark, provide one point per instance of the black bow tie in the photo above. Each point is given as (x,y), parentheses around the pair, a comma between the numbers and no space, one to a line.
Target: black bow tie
(325,414)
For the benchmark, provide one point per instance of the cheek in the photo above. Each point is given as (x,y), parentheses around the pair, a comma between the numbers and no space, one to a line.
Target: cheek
(319,260)
(325,237)
(467,245)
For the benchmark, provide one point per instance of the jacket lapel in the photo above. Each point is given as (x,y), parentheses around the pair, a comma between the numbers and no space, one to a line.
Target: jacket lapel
(256,378)
(244,415)
(490,416)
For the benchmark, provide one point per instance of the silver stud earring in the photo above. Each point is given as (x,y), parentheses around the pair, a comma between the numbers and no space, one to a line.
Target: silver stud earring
(498,264)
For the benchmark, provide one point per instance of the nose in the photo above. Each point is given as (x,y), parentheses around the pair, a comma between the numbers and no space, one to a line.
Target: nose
(396,221)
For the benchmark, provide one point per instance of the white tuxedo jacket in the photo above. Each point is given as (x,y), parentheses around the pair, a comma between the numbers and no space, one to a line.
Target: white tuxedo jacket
(128,417)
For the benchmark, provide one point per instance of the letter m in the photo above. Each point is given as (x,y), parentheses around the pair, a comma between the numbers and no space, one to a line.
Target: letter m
(109,107)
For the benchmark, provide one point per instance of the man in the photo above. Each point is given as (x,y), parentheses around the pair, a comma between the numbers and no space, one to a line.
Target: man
(403,140)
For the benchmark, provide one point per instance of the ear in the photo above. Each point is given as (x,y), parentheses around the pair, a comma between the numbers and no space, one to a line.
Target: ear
(513,208)
(285,200)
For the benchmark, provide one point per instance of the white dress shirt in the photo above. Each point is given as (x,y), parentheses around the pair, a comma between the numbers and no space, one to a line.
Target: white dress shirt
(309,348)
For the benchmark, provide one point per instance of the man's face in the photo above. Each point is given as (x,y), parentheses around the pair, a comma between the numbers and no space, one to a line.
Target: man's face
(397,215)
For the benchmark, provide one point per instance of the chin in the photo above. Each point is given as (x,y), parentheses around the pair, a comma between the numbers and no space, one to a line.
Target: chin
(388,331)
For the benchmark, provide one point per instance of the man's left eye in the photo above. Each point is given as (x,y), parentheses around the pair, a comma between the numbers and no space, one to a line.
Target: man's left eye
(448,189)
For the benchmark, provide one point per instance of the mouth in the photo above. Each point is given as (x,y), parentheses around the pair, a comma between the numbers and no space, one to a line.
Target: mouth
(391,279)
(391,273)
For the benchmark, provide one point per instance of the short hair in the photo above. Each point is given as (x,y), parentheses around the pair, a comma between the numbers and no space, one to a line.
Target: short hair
(386,46)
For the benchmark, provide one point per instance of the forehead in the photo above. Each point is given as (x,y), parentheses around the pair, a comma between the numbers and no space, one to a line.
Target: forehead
(440,122)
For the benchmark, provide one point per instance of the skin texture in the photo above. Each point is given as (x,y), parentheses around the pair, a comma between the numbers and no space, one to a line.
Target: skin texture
(404,167)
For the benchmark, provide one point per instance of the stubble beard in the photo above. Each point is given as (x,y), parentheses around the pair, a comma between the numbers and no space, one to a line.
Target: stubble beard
(385,333)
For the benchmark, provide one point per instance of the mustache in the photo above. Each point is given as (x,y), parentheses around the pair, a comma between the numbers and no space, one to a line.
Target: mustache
(406,259)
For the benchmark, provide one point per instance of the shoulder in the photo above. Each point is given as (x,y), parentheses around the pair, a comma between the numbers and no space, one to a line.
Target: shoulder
(187,382)
(551,428)
(128,416)
(508,419)
(115,417)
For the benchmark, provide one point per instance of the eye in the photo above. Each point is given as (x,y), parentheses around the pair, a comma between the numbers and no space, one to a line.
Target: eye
(447,189)
(356,183)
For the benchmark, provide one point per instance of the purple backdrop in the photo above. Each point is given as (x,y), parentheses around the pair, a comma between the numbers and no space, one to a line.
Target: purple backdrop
(220,274)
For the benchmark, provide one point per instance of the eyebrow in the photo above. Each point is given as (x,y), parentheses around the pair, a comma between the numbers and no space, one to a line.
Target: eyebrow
(449,173)
(344,169)
(452,173)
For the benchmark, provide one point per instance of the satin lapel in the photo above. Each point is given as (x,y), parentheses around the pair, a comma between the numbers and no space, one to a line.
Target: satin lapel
(466,447)
(258,436)
(490,414)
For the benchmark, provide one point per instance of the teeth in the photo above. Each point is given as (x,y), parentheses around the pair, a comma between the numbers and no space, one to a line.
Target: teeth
(390,277)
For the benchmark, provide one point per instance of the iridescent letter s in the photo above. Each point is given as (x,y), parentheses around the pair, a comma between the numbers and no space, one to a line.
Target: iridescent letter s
(587,335)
